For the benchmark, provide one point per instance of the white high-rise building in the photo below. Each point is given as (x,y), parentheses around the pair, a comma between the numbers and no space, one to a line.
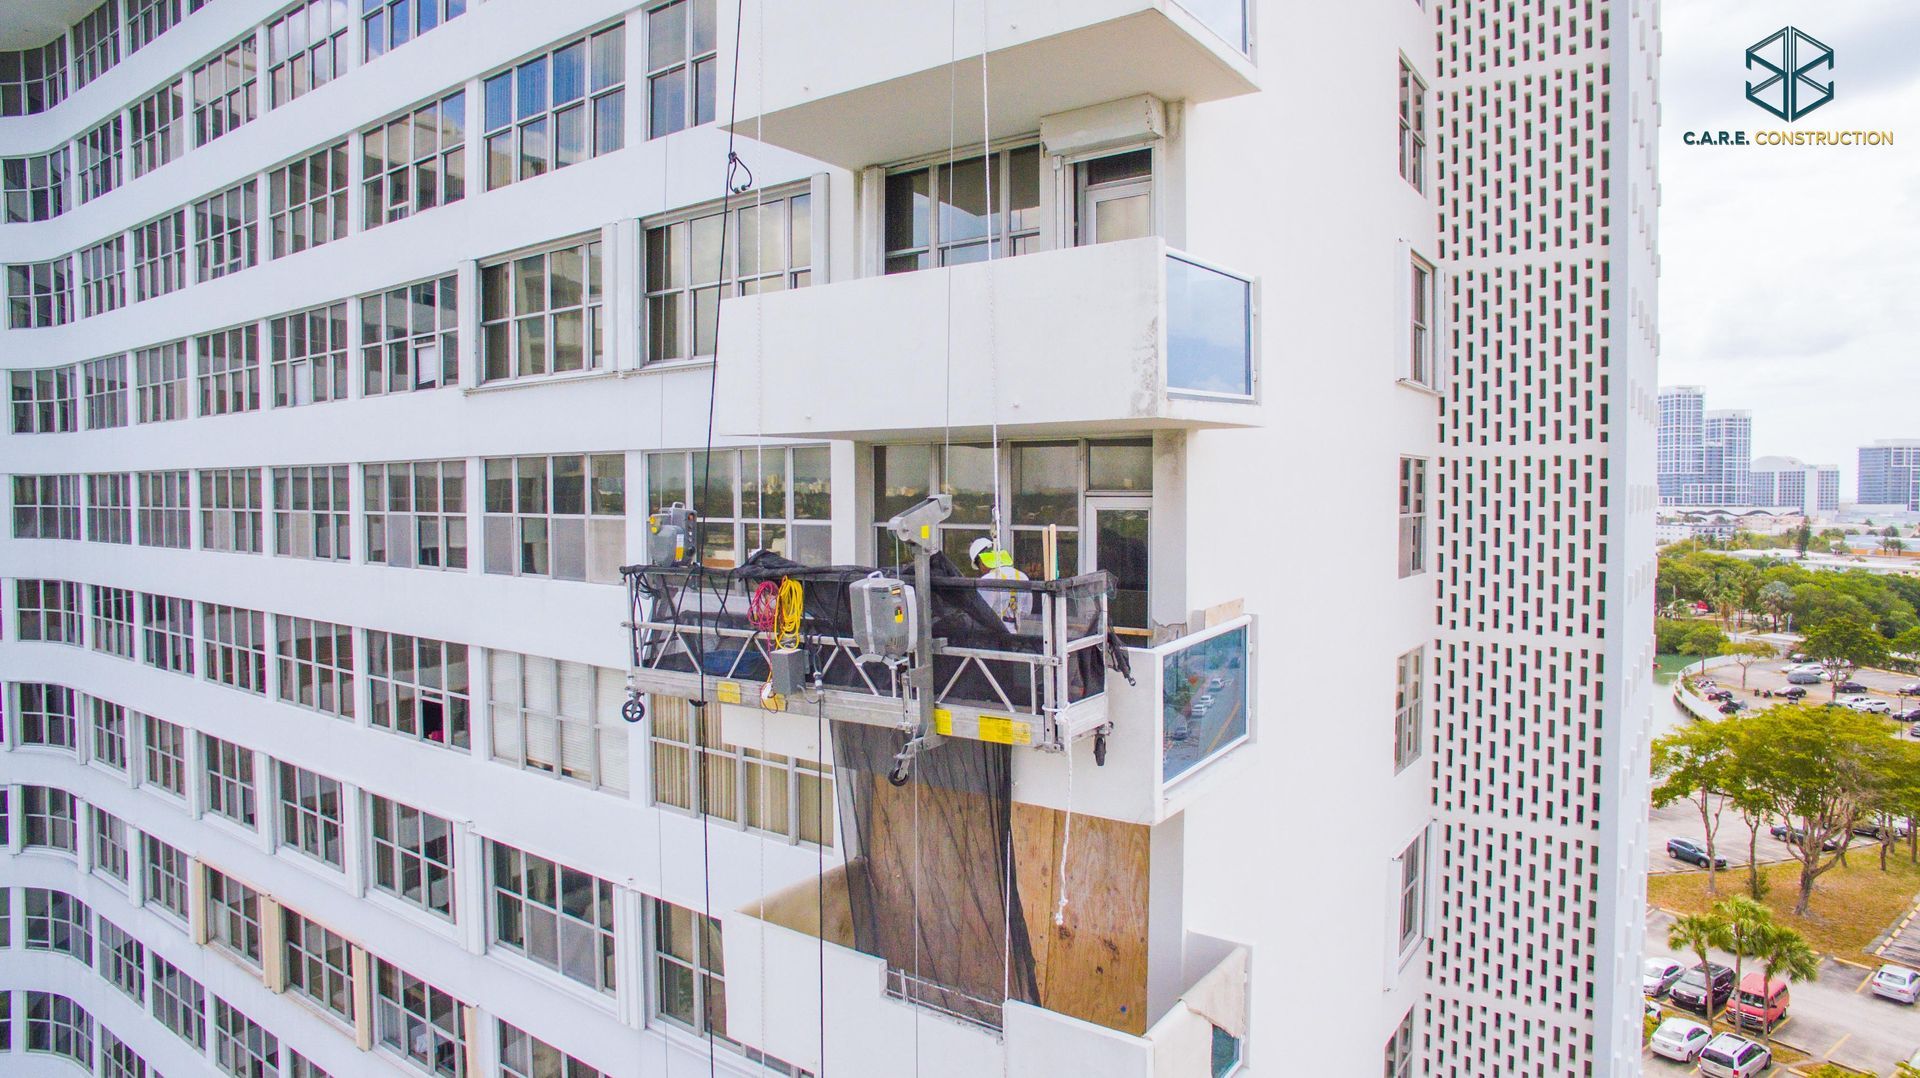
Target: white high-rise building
(350,347)
(1682,454)
(1890,473)
(1791,483)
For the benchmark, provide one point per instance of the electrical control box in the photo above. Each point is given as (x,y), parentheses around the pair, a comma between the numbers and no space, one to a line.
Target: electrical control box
(670,535)
(787,671)
(885,619)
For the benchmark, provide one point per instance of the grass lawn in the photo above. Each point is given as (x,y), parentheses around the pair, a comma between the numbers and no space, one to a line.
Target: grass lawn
(1852,904)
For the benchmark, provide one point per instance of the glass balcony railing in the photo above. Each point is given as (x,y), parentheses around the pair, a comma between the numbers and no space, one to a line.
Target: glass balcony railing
(1209,329)
(1228,18)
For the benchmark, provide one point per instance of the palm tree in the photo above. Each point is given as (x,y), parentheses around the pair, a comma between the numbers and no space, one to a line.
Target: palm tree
(1785,953)
(1699,933)
(1747,924)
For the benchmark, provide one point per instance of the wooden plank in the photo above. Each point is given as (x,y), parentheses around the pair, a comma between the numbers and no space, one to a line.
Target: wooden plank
(1093,965)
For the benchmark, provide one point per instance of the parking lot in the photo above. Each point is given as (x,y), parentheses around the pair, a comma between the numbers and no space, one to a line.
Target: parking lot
(1833,1018)
(1771,677)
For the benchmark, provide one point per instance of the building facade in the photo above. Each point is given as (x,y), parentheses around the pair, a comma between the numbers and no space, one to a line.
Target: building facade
(1791,483)
(349,350)
(1890,473)
(1681,457)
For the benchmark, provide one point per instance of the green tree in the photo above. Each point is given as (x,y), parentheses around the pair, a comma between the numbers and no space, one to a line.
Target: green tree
(1842,646)
(1745,653)
(1691,764)
(1776,598)
(1746,924)
(1907,644)
(1699,933)
(1784,952)
(1802,537)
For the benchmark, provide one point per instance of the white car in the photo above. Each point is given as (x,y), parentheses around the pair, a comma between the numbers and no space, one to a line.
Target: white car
(1897,983)
(1808,668)
(1205,702)
(1732,1056)
(1872,705)
(1658,975)
(1679,1039)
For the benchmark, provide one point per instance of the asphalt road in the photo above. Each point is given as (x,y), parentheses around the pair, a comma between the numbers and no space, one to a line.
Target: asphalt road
(1682,820)
(1834,1017)
(1771,676)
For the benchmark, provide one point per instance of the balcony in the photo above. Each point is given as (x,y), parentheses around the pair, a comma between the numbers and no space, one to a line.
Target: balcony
(868,82)
(1116,337)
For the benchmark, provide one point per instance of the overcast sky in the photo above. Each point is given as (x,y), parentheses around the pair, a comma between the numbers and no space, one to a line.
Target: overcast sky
(1790,278)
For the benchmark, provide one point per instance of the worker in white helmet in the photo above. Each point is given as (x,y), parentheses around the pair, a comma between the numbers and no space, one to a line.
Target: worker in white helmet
(997,564)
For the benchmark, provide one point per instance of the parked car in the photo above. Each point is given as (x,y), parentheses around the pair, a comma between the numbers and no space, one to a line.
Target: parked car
(1897,983)
(1808,668)
(1793,692)
(1760,1004)
(1911,714)
(1732,707)
(1871,705)
(1732,1056)
(1874,828)
(1910,690)
(1658,975)
(1851,686)
(1802,677)
(1679,1039)
(1216,685)
(1720,694)
(1205,701)
(1793,833)
(1685,849)
(1690,992)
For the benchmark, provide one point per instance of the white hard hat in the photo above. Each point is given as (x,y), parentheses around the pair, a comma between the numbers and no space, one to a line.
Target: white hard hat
(980,546)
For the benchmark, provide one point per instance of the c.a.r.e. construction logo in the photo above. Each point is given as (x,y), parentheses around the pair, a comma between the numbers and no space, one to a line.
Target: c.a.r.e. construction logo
(1786,72)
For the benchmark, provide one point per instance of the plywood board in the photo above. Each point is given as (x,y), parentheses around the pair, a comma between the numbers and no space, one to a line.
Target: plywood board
(1093,964)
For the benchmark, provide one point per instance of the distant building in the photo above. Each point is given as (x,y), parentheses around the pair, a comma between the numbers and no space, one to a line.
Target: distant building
(1726,473)
(1680,448)
(1791,483)
(1890,473)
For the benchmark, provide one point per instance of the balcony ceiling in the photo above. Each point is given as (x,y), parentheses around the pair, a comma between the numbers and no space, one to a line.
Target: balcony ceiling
(27,23)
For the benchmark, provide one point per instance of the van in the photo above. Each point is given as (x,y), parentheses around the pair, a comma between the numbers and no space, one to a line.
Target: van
(1759,1004)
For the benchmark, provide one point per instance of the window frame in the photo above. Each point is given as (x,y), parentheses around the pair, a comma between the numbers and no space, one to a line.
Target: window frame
(511,110)
(1409,717)
(506,328)
(512,719)
(671,298)
(45,400)
(696,58)
(407,844)
(511,886)
(398,695)
(1412,515)
(1412,114)
(393,184)
(391,346)
(46,506)
(384,523)
(227,786)
(225,87)
(508,539)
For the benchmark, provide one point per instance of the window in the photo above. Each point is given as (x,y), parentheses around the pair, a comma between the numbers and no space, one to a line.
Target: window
(409,338)
(418,687)
(105,384)
(1114,200)
(46,507)
(307,201)
(229,780)
(165,513)
(109,845)
(123,960)
(39,294)
(242,1046)
(1412,893)
(35,187)
(771,498)
(688,972)
(117,1060)
(393,23)
(309,356)
(160,255)
(523,1055)
(96,43)
(57,921)
(560,717)
(110,508)
(45,715)
(97,159)
(6,1021)
(416,161)
(417,514)
(33,80)
(319,964)
(155,133)
(167,870)
(103,282)
(59,1026)
(557,916)
(937,215)
(236,646)
(1421,367)
(299,1066)
(1413,516)
(166,759)
(418,1022)
(1413,128)
(179,1003)
(310,814)
(1409,713)
(229,370)
(49,610)
(49,816)
(682,63)
(769,247)
(543,518)
(412,855)
(148,19)
(230,514)
(541,314)
(306,48)
(43,401)
(233,916)
(310,518)
(109,726)
(224,233)
(1400,1050)
(223,91)
(557,109)
(696,770)
(160,383)
(316,664)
